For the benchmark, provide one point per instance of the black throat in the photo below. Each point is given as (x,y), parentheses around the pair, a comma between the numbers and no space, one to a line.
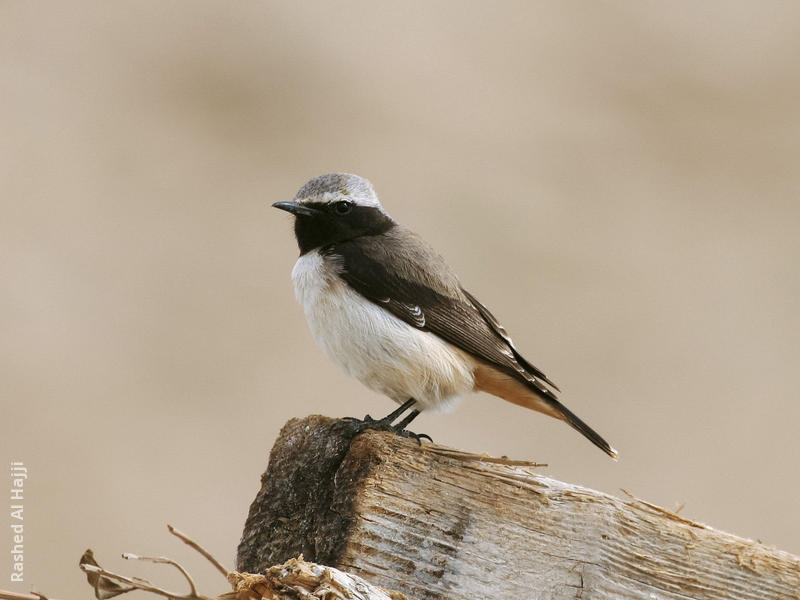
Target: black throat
(325,226)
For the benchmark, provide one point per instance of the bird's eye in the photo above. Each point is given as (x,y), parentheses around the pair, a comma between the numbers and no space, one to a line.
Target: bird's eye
(343,207)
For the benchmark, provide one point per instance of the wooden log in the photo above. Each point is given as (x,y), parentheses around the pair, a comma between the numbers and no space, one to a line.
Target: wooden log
(435,523)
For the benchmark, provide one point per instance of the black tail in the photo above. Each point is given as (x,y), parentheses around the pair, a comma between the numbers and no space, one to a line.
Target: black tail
(551,400)
(587,431)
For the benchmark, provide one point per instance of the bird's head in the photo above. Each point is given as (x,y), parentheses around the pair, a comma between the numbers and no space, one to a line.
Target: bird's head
(335,208)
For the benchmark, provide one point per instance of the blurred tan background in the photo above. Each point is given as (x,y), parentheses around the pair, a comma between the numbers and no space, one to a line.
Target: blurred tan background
(618,181)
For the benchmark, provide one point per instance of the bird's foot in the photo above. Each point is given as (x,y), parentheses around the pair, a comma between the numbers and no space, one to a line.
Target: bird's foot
(387,423)
(361,425)
(414,436)
(358,426)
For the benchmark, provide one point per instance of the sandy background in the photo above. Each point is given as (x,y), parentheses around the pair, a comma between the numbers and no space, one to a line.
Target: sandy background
(619,182)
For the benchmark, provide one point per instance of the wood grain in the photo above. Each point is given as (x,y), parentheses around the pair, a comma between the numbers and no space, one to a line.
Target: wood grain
(435,523)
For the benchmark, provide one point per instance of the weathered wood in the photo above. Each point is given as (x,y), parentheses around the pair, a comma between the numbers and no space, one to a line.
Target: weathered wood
(298,579)
(436,523)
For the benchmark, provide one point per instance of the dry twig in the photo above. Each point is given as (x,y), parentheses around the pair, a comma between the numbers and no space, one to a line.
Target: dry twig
(8,595)
(190,542)
(108,584)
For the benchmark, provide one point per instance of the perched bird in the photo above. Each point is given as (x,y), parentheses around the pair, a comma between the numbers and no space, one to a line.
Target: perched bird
(388,310)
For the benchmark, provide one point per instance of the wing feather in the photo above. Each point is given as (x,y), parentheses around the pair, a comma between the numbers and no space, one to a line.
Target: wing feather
(501,331)
(450,312)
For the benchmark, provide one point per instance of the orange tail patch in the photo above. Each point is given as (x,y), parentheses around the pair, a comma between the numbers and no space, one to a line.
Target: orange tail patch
(493,381)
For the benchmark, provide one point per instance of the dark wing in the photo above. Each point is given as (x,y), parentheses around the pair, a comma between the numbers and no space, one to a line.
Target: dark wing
(501,331)
(456,317)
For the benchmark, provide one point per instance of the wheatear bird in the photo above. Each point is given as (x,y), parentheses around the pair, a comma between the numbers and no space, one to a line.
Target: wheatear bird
(387,309)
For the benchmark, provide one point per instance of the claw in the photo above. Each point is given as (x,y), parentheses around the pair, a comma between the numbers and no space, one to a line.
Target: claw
(368,423)
(415,436)
(386,423)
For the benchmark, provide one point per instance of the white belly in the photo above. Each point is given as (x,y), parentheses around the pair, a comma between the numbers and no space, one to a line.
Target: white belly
(372,345)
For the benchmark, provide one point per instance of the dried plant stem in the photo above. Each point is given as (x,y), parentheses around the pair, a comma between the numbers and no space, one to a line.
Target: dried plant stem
(190,542)
(140,584)
(7,595)
(163,560)
(106,583)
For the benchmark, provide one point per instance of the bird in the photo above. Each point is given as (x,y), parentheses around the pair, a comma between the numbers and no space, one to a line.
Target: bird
(389,311)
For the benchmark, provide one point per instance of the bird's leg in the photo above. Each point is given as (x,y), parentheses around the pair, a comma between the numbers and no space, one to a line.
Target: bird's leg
(400,410)
(409,417)
(388,419)
(400,428)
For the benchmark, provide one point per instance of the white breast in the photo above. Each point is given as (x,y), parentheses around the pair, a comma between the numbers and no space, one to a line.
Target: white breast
(372,345)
